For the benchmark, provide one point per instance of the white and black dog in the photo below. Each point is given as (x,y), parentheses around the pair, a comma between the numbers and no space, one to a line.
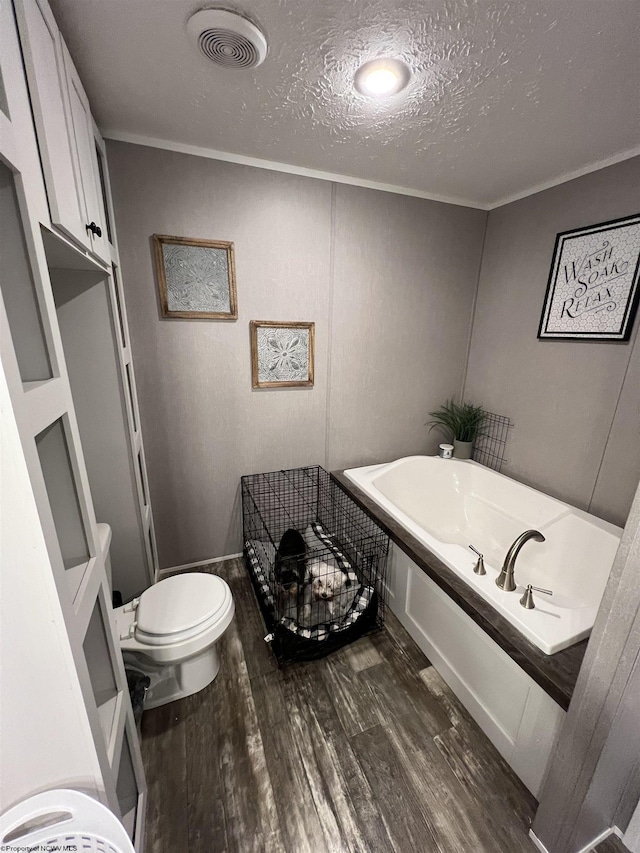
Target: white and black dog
(311,590)
(328,596)
(291,571)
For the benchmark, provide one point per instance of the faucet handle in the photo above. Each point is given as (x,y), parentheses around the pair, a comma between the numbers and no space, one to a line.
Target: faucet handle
(527,599)
(479,568)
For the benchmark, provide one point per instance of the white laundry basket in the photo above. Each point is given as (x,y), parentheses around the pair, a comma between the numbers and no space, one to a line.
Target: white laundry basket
(62,820)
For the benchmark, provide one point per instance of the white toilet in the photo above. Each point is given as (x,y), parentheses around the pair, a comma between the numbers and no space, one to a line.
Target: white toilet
(170,634)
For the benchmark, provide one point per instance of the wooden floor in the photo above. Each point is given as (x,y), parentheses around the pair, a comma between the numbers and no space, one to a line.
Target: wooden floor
(611,845)
(366,750)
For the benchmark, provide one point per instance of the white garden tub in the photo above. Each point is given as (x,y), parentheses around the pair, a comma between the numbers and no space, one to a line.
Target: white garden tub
(449,504)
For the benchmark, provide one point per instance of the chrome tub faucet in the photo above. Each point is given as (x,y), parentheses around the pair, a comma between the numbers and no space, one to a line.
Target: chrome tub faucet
(505,579)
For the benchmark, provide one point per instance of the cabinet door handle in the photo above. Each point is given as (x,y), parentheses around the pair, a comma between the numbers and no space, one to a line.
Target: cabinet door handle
(95,229)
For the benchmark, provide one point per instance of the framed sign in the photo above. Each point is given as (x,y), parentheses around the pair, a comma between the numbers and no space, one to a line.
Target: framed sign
(196,278)
(593,287)
(281,354)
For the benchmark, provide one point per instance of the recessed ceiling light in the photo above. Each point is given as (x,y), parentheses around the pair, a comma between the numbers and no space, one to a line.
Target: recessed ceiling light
(381,77)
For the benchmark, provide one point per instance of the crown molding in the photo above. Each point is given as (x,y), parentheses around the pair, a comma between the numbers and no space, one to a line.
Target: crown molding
(566,176)
(272,165)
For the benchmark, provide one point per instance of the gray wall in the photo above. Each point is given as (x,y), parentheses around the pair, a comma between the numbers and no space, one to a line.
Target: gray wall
(575,405)
(405,276)
(389,281)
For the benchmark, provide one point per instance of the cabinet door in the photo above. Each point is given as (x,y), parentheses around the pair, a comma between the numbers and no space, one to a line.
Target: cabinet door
(17,135)
(85,160)
(42,49)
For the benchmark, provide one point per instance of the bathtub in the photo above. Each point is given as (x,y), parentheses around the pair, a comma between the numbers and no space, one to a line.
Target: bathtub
(449,504)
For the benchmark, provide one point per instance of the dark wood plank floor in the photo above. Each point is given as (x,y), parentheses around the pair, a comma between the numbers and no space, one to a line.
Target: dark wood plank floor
(365,751)
(612,844)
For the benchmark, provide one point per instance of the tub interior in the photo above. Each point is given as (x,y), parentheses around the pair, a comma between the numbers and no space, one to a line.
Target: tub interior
(451,504)
(464,504)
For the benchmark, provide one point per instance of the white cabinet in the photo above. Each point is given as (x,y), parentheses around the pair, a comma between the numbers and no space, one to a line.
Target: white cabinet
(83,149)
(53,575)
(43,60)
(64,129)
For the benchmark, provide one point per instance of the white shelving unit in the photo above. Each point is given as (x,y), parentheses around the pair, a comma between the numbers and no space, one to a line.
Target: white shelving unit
(65,352)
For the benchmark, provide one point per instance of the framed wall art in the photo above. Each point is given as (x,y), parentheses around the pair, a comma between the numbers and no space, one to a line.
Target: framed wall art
(281,354)
(594,287)
(196,278)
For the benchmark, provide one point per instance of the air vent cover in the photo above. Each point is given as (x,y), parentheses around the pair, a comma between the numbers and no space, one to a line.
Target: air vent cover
(227,38)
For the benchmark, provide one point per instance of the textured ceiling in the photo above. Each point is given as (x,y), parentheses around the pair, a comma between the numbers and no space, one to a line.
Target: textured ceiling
(505,95)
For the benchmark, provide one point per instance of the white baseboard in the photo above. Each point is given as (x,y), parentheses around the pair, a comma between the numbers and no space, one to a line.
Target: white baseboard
(172,570)
(537,842)
(590,846)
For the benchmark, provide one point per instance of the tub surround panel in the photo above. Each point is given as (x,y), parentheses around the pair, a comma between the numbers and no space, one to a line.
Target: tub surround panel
(575,415)
(405,277)
(556,674)
(367,267)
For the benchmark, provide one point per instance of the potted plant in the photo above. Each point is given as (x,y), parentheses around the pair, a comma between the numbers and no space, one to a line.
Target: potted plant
(462,422)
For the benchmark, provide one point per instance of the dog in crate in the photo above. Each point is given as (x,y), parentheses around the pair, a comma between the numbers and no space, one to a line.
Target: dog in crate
(329,593)
(291,572)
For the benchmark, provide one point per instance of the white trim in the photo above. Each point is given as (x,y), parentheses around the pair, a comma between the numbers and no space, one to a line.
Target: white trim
(567,176)
(272,165)
(590,846)
(241,159)
(173,569)
(537,842)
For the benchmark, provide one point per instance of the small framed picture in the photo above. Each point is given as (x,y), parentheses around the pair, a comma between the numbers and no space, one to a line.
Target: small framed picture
(281,354)
(196,278)
(593,287)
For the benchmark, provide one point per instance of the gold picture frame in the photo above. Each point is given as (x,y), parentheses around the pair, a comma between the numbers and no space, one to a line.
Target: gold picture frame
(282,354)
(196,278)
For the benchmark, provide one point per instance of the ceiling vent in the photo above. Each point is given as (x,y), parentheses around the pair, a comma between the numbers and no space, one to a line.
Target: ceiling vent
(227,38)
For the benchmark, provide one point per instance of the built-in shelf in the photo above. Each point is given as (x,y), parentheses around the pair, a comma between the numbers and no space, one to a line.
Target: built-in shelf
(118,298)
(4,106)
(132,407)
(90,339)
(68,367)
(34,384)
(107,706)
(150,537)
(143,487)
(61,254)
(44,403)
(74,576)
(18,288)
(101,668)
(127,788)
(57,470)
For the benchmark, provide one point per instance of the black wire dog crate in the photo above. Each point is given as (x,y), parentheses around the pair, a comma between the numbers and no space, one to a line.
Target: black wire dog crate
(316,560)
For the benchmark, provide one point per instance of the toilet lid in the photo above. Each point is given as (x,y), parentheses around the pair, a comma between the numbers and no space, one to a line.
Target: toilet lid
(182,603)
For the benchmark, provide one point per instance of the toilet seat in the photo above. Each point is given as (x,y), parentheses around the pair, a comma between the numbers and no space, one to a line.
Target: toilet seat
(180,608)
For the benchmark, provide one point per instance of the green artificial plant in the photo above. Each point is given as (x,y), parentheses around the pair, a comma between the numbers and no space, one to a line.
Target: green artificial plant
(462,420)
